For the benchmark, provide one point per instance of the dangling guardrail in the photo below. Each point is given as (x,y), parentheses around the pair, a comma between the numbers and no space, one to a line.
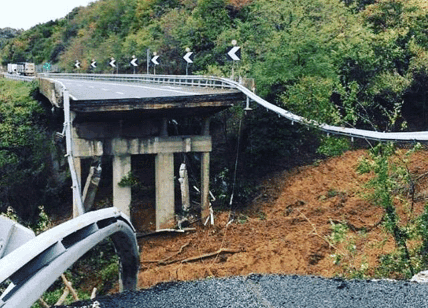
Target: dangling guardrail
(225,83)
(35,265)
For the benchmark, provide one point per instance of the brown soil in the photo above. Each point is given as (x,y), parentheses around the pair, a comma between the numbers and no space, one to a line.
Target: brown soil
(286,228)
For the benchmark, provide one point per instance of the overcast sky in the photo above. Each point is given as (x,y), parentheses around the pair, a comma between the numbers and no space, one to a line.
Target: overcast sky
(24,14)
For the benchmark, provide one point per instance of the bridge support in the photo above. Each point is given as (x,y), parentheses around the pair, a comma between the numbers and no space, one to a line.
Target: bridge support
(121,194)
(165,203)
(78,168)
(205,176)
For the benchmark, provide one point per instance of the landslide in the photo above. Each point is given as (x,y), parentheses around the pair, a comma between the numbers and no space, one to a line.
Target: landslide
(286,228)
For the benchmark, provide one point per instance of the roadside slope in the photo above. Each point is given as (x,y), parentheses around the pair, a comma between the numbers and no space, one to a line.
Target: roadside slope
(287,234)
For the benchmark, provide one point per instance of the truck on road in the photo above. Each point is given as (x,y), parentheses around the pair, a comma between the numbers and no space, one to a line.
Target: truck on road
(22,68)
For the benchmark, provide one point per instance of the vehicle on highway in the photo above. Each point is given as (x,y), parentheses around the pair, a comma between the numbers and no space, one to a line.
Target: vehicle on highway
(22,68)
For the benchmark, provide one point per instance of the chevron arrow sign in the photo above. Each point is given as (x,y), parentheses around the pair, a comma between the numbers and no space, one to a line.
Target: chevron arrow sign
(187,57)
(134,62)
(155,60)
(235,53)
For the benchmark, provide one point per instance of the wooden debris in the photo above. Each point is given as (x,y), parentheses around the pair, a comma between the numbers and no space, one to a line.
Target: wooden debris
(70,287)
(94,293)
(192,259)
(43,303)
(63,297)
(175,254)
(213,254)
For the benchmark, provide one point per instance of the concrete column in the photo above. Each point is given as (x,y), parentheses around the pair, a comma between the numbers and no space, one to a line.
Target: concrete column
(205,176)
(164,173)
(78,168)
(121,195)
(205,186)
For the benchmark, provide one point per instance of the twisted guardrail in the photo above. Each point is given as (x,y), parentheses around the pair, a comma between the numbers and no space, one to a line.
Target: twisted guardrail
(225,83)
(34,266)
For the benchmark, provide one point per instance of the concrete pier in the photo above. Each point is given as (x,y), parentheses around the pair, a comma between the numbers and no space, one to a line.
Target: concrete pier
(165,201)
(121,194)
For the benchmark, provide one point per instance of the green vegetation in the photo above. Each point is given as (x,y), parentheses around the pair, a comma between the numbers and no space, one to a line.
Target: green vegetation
(354,63)
(25,151)
(389,189)
(392,178)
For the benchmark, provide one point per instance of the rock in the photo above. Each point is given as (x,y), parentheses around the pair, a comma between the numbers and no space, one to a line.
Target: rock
(421,277)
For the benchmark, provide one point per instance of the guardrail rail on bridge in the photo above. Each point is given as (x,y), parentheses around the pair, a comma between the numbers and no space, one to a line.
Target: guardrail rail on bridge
(35,265)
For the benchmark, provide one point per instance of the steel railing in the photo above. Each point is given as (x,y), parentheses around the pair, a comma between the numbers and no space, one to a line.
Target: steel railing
(34,266)
(225,83)
(191,81)
(19,77)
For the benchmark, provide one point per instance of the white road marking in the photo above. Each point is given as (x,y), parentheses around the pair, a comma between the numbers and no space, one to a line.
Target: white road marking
(120,93)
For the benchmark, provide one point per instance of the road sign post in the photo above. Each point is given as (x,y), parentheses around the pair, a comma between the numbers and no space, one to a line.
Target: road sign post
(112,63)
(234,54)
(134,63)
(155,62)
(188,59)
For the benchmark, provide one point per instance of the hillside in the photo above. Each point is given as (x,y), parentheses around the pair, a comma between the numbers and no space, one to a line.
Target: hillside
(7,34)
(288,229)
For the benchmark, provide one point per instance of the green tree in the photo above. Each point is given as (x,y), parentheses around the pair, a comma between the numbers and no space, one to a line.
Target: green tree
(24,150)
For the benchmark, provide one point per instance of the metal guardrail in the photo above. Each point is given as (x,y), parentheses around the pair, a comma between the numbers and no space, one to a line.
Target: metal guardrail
(345,131)
(218,82)
(191,81)
(19,77)
(34,266)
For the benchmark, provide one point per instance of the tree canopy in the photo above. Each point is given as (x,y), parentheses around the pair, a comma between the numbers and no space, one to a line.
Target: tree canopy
(351,62)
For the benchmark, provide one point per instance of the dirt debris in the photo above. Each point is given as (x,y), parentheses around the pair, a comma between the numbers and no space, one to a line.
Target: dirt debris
(286,233)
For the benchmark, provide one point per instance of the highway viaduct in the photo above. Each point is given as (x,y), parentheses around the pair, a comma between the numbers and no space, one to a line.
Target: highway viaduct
(122,116)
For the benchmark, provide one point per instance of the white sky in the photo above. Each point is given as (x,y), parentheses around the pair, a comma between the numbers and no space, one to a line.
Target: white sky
(24,14)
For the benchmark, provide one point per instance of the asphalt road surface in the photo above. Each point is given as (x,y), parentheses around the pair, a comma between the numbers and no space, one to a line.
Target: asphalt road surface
(87,90)
(270,291)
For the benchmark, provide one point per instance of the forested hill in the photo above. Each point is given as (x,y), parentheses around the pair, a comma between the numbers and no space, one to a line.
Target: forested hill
(346,62)
(6,34)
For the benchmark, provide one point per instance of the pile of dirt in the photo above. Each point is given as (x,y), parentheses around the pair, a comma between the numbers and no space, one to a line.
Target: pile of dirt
(285,230)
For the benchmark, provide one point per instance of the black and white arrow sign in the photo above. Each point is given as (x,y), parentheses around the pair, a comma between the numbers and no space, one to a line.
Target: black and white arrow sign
(112,62)
(94,64)
(187,57)
(155,60)
(77,64)
(134,62)
(235,53)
